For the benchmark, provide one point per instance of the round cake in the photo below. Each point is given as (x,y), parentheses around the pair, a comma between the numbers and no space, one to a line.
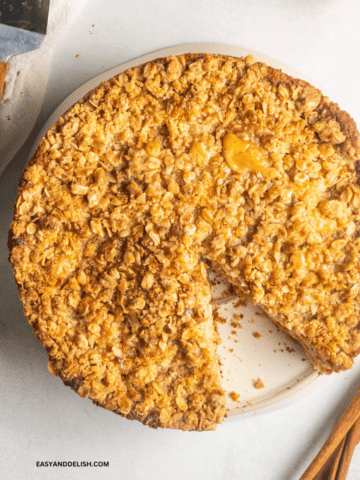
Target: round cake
(167,168)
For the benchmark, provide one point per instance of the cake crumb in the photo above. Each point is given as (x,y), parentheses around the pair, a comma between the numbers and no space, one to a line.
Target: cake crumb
(216,316)
(258,384)
(256,335)
(234,396)
(240,303)
(235,321)
(236,324)
(77,56)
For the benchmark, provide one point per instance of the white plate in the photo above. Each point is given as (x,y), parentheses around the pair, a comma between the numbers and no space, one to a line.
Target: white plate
(272,357)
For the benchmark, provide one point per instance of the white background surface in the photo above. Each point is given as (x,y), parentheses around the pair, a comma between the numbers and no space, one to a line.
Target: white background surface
(42,420)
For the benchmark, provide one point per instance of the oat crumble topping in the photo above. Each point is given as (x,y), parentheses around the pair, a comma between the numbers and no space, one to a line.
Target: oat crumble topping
(180,161)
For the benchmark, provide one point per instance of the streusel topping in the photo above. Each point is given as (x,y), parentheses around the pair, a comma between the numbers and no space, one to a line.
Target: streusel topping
(179,162)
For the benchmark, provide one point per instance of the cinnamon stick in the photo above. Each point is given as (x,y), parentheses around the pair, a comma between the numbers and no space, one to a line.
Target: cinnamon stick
(2,78)
(346,421)
(329,470)
(352,439)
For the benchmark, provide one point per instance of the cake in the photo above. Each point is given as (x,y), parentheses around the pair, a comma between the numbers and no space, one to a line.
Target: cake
(172,166)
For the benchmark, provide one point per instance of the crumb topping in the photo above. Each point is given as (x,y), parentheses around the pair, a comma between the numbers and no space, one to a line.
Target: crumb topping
(152,174)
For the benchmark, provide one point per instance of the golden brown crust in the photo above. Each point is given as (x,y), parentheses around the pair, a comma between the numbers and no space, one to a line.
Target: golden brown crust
(189,157)
(326,110)
(329,110)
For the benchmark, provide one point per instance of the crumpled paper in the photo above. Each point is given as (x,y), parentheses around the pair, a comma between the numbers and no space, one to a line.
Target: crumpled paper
(26,79)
